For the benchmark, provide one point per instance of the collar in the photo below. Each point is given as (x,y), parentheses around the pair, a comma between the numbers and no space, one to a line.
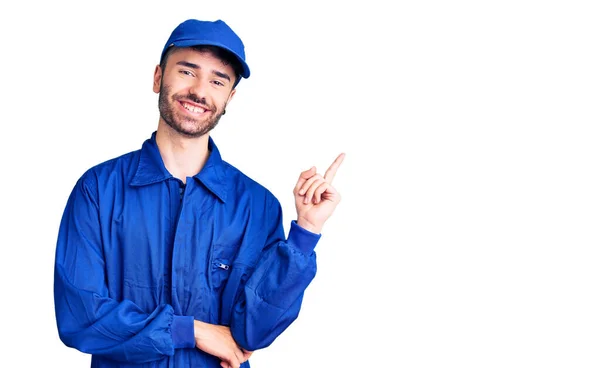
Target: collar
(151,169)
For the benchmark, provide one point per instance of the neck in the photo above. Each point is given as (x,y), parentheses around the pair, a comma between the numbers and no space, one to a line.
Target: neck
(183,156)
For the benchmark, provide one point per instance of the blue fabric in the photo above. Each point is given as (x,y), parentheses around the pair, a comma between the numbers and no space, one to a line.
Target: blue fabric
(136,263)
(194,32)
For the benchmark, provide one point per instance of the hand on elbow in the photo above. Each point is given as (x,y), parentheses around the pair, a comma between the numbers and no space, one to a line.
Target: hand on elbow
(217,340)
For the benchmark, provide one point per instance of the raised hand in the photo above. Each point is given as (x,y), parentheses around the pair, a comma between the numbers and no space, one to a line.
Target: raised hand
(315,197)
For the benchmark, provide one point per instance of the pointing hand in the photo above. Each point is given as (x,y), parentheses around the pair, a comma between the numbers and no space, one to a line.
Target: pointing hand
(315,197)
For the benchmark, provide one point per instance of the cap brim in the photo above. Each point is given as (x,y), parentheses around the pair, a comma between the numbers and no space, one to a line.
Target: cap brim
(189,43)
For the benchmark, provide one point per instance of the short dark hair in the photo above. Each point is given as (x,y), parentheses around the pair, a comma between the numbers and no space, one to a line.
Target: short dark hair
(227,57)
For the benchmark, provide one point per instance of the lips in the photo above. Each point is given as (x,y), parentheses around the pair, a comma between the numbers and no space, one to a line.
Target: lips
(193,108)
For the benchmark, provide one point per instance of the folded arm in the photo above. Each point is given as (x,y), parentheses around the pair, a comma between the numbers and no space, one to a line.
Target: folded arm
(87,318)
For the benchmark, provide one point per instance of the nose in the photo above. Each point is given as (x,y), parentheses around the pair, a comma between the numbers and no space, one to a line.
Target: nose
(199,90)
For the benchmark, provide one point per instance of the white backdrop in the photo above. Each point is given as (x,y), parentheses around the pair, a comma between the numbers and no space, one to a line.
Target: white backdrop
(468,231)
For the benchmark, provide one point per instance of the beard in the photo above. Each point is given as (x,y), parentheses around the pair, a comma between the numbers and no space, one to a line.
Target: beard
(184,124)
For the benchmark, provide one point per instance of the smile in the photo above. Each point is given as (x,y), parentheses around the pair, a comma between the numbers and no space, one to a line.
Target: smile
(192,108)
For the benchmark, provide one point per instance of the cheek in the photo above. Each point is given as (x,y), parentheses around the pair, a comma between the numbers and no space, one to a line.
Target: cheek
(177,82)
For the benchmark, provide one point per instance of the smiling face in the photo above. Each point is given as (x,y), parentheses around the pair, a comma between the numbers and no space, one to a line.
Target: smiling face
(194,88)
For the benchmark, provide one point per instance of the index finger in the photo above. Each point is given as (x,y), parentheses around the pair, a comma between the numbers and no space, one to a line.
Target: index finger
(330,173)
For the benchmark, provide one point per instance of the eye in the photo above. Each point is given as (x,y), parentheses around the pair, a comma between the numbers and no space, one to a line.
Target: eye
(219,83)
(186,72)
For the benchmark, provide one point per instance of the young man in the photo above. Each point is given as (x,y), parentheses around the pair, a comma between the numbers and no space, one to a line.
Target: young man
(171,257)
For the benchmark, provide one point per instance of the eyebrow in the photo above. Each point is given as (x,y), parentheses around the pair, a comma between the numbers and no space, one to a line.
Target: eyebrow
(196,67)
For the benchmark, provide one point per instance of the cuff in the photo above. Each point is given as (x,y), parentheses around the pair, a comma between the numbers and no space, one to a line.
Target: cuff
(182,330)
(304,240)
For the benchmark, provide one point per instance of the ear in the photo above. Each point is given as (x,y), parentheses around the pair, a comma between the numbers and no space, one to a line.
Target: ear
(157,79)
(231,95)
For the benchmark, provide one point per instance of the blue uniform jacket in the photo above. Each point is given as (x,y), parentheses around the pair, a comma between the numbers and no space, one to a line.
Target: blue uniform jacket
(139,257)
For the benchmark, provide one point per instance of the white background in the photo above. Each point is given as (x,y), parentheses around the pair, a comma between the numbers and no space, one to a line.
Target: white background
(468,231)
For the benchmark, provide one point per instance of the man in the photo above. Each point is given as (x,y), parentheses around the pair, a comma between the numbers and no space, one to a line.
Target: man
(171,257)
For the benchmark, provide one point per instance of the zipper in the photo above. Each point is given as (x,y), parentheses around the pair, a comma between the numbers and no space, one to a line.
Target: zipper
(222,266)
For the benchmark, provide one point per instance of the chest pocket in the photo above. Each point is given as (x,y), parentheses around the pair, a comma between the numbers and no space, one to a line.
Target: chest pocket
(221,269)
(223,255)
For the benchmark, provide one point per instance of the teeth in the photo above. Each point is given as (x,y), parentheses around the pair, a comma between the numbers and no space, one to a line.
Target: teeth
(193,108)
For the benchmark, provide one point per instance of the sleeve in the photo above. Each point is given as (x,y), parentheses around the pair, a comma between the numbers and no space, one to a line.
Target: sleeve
(87,318)
(272,296)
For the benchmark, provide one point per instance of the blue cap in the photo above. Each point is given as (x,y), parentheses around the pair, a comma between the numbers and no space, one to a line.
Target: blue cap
(193,32)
